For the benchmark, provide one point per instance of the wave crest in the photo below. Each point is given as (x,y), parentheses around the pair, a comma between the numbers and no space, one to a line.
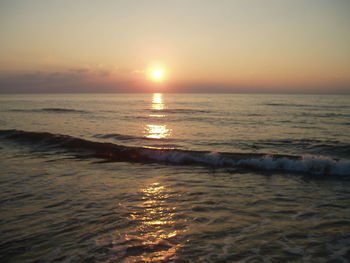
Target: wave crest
(113,152)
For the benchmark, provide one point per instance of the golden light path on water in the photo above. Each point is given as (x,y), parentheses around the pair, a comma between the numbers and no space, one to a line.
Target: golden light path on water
(157,101)
(156,130)
(156,233)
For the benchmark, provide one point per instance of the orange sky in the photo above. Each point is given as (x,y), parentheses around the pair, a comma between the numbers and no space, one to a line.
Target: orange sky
(202,46)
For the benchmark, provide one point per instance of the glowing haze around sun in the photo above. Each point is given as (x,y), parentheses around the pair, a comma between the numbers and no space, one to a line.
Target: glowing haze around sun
(156,74)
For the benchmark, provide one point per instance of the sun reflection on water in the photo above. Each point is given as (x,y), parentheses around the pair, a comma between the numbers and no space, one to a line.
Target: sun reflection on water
(156,130)
(157,101)
(156,226)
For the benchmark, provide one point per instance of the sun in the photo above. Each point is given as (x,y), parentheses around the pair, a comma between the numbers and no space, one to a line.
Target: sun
(157,74)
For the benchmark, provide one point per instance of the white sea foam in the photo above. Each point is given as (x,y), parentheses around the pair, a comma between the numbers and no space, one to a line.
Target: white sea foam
(306,164)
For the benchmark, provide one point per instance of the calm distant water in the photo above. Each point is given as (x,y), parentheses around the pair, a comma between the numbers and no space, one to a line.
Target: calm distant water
(174,178)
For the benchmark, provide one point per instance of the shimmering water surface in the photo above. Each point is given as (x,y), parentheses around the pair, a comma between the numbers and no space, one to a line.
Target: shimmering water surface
(175,178)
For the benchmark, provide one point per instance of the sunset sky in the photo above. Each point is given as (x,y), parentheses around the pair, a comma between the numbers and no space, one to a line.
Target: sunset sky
(199,46)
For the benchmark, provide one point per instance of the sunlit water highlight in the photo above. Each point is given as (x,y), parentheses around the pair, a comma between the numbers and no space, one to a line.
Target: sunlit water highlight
(182,178)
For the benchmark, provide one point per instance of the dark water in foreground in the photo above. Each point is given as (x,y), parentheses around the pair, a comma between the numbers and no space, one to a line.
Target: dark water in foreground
(174,178)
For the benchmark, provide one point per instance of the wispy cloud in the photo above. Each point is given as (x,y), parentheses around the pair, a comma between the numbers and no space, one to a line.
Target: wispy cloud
(71,80)
(99,79)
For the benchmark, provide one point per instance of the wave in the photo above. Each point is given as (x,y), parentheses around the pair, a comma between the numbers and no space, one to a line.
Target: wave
(328,147)
(323,107)
(123,137)
(56,110)
(117,136)
(253,161)
(285,104)
(181,111)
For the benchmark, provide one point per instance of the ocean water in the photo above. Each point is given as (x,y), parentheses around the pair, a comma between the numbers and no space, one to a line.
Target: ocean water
(174,178)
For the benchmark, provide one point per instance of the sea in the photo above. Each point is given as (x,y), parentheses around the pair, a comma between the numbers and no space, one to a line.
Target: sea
(163,177)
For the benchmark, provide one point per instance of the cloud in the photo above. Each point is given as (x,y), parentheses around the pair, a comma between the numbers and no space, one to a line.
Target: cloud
(100,80)
(79,70)
(72,80)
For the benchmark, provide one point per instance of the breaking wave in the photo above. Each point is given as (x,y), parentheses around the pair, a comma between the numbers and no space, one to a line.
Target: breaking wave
(113,152)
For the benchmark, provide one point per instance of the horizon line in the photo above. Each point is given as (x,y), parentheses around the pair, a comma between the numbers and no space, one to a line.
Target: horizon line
(190,92)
